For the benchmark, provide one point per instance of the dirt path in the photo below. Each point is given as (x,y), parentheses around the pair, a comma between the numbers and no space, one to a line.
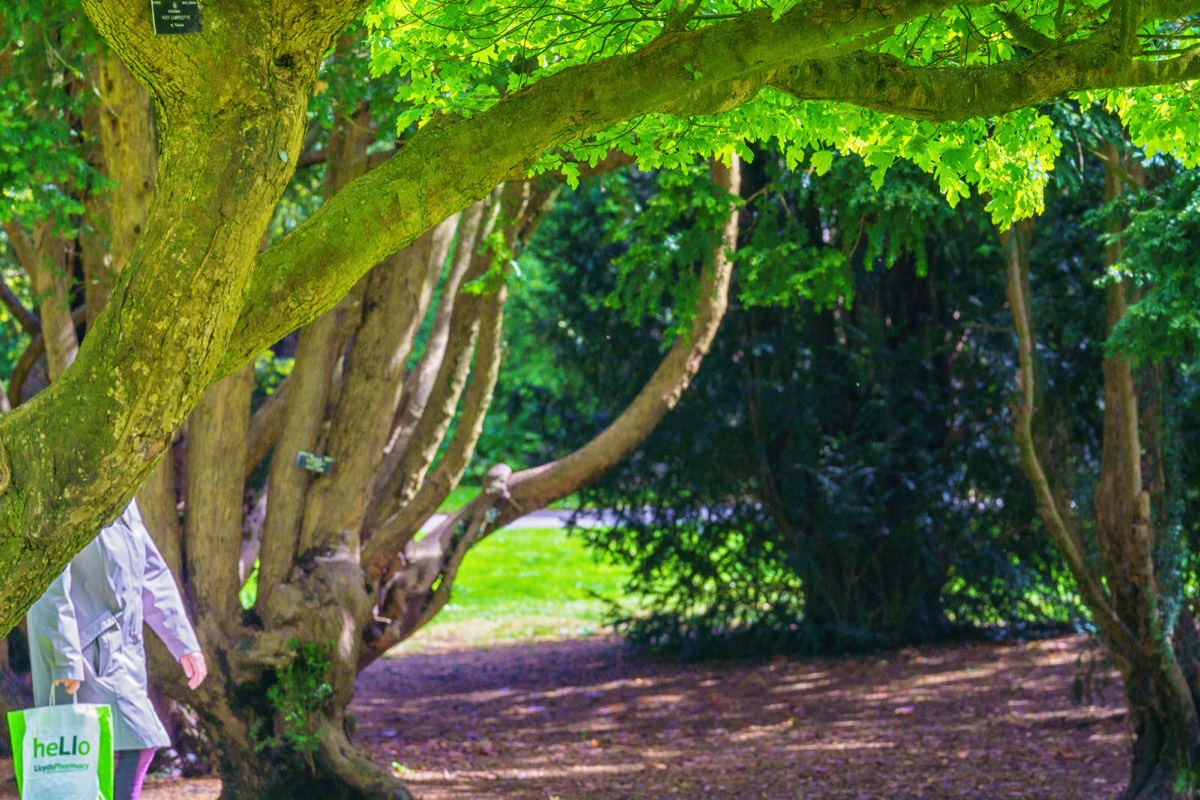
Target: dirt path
(581,720)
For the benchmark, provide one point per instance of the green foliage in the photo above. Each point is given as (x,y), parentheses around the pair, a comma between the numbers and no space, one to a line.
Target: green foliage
(300,697)
(1161,242)
(44,172)
(482,51)
(248,594)
(1187,780)
(460,57)
(270,371)
(841,474)
(1160,119)
(664,238)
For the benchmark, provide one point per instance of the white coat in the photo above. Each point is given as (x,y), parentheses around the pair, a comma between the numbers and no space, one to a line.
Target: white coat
(88,627)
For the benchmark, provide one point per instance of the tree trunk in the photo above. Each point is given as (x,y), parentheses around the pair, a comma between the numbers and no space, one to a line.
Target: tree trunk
(336,769)
(228,152)
(1121,587)
(1165,721)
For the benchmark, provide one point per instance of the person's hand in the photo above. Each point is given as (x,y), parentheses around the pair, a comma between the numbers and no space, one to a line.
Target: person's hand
(194,668)
(71,685)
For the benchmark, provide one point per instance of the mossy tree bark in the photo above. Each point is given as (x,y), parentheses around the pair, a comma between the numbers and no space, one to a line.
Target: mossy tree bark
(197,300)
(196,303)
(345,573)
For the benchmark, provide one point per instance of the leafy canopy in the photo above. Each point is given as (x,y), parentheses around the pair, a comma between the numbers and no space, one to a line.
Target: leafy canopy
(457,58)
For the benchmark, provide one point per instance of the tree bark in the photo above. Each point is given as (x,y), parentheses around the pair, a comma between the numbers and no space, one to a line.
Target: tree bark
(123,125)
(1121,588)
(311,387)
(422,576)
(195,306)
(213,515)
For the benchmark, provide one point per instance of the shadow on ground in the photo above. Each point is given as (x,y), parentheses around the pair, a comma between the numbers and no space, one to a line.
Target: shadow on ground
(581,720)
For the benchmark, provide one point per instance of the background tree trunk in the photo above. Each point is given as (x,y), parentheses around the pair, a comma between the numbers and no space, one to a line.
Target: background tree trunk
(1121,585)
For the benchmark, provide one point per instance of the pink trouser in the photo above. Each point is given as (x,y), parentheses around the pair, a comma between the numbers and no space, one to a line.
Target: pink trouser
(129,770)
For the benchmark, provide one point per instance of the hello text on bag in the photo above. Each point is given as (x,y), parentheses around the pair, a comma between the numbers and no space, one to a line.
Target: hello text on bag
(63,752)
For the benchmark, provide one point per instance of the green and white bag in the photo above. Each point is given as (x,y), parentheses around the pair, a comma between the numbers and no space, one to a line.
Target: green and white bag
(63,751)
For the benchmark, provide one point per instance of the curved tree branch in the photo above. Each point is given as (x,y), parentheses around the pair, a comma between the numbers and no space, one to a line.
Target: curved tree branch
(307,271)
(1015,242)
(395,532)
(800,53)
(422,575)
(535,488)
(942,94)
(24,317)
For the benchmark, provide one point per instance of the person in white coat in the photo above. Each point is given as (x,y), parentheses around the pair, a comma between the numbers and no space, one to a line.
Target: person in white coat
(85,634)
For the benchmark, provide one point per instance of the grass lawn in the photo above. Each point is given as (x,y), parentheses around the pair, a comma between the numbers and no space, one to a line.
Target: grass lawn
(524,584)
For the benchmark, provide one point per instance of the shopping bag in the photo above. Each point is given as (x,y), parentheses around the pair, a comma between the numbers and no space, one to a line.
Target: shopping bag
(63,752)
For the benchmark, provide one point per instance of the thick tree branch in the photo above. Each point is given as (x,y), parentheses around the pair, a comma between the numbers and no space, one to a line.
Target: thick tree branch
(213,523)
(395,532)
(306,272)
(940,94)
(179,70)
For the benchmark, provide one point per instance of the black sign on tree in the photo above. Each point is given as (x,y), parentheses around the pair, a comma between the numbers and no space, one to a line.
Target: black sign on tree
(175,16)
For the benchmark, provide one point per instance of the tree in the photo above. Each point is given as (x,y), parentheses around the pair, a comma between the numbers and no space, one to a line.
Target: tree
(842,474)
(1128,558)
(278,717)
(514,88)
